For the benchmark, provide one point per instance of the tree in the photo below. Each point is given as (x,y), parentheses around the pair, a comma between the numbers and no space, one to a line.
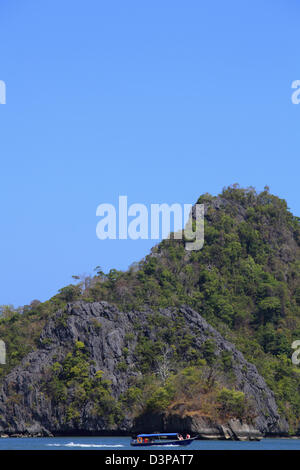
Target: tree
(70,293)
(269,308)
(232,403)
(163,364)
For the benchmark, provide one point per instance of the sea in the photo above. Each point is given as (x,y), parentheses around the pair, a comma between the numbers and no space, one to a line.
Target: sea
(123,443)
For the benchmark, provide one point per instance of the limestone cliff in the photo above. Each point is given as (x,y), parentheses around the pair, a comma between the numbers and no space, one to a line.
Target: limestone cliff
(27,408)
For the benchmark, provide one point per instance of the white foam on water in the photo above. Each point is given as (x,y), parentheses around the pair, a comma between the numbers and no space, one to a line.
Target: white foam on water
(74,444)
(166,445)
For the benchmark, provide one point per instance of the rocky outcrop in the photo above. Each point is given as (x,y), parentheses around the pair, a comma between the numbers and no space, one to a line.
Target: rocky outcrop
(26,409)
(198,425)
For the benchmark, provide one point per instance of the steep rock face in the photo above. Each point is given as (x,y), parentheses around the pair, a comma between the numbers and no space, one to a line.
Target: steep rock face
(25,408)
(203,427)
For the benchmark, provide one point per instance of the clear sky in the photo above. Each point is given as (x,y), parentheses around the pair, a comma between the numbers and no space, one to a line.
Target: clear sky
(158,100)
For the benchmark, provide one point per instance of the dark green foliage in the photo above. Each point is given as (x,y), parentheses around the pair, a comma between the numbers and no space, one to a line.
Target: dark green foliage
(232,403)
(160,399)
(70,293)
(71,386)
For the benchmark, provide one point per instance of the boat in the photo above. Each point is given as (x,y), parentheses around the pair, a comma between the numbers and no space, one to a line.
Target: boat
(162,439)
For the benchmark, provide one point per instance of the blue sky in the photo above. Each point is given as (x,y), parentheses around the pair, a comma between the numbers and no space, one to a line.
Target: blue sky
(160,101)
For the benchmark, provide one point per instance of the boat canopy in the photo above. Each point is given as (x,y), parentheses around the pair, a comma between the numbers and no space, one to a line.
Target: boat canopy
(159,434)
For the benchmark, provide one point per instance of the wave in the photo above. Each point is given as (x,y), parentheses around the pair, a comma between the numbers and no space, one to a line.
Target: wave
(74,444)
(166,445)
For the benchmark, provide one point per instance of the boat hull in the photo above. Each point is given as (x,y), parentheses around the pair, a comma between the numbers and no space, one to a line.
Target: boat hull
(177,442)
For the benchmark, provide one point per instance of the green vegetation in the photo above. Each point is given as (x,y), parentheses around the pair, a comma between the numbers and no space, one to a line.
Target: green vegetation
(72,387)
(245,282)
(232,403)
(168,384)
(180,393)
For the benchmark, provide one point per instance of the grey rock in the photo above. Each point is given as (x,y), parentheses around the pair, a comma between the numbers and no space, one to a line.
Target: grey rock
(25,409)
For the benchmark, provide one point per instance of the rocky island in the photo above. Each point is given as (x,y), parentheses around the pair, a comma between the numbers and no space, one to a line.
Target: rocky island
(197,342)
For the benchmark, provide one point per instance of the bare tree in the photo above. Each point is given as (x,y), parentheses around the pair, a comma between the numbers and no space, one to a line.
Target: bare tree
(84,281)
(2,352)
(163,365)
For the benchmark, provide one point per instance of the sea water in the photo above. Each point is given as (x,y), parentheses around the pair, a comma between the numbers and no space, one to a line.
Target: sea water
(123,443)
